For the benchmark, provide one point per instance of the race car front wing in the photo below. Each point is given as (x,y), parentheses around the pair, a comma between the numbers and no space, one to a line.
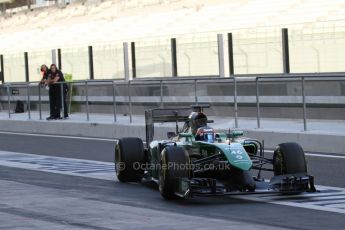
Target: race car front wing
(286,184)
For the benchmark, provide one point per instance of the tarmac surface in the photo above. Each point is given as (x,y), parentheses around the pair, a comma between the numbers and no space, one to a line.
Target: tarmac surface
(51,182)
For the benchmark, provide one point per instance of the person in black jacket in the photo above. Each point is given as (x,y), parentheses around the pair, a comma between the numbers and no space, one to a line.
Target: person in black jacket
(46,74)
(55,88)
(45,71)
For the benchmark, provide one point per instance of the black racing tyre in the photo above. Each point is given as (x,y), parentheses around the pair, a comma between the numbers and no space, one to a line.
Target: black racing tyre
(174,164)
(129,155)
(289,158)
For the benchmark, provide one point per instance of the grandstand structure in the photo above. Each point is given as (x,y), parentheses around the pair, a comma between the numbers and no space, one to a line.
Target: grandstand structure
(316,36)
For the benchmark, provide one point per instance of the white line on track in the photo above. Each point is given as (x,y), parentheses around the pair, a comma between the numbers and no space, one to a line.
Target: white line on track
(324,155)
(309,195)
(340,205)
(329,203)
(315,155)
(60,136)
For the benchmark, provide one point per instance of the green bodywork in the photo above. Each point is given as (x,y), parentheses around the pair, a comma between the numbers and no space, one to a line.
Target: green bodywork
(234,152)
(236,155)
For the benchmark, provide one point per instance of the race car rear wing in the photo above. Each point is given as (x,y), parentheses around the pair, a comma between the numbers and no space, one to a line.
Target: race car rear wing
(163,115)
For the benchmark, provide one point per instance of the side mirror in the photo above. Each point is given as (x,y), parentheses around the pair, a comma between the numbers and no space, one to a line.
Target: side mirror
(234,134)
(171,135)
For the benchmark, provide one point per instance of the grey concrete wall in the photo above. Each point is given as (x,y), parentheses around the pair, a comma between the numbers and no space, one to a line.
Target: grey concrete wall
(313,142)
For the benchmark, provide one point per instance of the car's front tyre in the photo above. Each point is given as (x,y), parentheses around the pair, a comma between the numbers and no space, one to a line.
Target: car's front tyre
(174,164)
(289,158)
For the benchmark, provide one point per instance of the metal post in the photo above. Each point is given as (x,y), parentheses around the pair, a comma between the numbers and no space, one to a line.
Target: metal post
(54,56)
(231,54)
(285,45)
(2,68)
(130,101)
(126,64)
(161,93)
(26,63)
(257,103)
(39,101)
(9,101)
(134,64)
(235,102)
(28,101)
(195,91)
(91,72)
(3,10)
(304,105)
(59,59)
(220,54)
(114,101)
(62,101)
(87,100)
(28,3)
(174,57)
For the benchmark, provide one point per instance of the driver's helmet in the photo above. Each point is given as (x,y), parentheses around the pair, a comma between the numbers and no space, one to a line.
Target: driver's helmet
(205,134)
(197,120)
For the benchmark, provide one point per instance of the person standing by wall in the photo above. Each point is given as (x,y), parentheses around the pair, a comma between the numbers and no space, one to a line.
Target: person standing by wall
(46,74)
(56,77)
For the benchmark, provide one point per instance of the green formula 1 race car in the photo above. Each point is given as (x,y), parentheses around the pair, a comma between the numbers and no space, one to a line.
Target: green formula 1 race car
(197,161)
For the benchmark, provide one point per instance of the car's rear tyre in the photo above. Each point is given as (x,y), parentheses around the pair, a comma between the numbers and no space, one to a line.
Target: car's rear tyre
(129,156)
(174,164)
(289,158)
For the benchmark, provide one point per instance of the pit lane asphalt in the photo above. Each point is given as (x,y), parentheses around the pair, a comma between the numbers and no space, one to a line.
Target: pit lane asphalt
(39,200)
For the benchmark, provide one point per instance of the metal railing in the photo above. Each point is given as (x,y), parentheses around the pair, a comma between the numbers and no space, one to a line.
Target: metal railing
(257,80)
